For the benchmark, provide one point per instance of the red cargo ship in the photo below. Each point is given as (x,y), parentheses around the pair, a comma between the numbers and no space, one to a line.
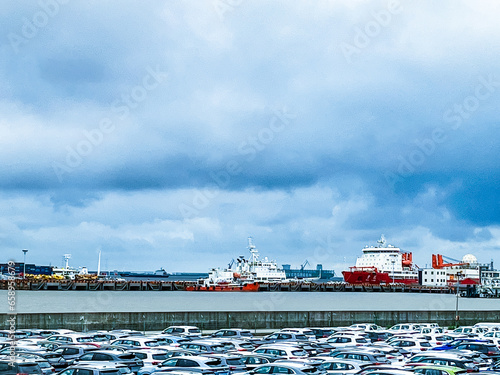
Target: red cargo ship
(382,264)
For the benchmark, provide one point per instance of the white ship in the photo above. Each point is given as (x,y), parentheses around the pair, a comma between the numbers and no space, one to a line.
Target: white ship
(253,270)
(67,272)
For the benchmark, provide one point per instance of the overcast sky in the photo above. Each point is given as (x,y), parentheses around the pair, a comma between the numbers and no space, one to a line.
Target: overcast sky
(166,133)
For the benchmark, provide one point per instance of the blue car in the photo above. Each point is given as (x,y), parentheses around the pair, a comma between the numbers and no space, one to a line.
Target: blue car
(455,343)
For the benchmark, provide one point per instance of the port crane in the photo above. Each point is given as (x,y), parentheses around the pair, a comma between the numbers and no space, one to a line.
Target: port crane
(303,265)
(438,263)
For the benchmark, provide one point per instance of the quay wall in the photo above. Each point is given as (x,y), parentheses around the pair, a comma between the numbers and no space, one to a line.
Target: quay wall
(253,320)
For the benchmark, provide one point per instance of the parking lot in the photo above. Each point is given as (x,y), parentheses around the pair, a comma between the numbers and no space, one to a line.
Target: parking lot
(357,349)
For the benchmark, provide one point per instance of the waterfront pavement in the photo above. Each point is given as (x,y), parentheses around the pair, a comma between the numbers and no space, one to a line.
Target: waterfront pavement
(150,301)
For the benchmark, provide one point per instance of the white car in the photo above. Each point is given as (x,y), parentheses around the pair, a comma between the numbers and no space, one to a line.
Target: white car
(135,342)
(150,357)
(303,331)
(71,338)
(342,366)
(285,351)
(186,331)
(343,341)
(411,345)
(367,327)
(403,328)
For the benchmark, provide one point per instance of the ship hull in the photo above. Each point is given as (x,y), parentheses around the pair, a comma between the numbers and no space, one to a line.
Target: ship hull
(251,287)
(374,278)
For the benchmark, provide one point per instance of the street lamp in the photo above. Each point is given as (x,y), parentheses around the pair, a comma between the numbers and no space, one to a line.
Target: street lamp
(457,318)
(24,263)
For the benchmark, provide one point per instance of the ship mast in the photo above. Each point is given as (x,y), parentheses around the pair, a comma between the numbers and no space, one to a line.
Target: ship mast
(253,251)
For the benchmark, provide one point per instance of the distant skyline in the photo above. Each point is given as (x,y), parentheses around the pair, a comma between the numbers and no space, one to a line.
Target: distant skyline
(166,133)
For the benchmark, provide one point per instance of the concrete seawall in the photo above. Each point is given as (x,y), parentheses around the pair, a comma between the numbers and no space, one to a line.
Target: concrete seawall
(255,320)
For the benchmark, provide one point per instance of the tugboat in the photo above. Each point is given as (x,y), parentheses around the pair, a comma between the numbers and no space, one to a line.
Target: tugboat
(383,264)
(241,276)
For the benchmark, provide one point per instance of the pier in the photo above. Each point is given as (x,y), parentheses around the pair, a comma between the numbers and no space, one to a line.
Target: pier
(163,285)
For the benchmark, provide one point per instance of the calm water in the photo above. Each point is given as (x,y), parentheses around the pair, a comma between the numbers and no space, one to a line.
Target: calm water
(136,301)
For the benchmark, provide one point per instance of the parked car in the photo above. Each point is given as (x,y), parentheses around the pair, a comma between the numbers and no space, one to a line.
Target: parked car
(490,350)
(169,340)
(17,366)
(111,358)
(438,370)
(186,331)
(412,345)
(444,360)
(342,366)
(45,366)
(150,356)
(205,346)
(320,332)
(281,337)
(347,340)
(70,352)
(199,364)
(284,351)
(236,333)
(364,356)
(135,342)
(96,369)
(303,331)
(252,360)
(234,362)
(296,368)
(70,338)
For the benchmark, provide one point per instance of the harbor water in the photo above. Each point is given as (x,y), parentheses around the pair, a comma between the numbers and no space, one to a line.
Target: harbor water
(150,301)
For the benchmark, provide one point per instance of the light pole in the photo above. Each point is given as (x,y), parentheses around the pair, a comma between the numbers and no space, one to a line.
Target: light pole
(457,318)
(24,263)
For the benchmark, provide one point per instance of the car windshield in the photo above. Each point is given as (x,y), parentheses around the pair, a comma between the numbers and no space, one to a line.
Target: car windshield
(218,348)
(126,356)
(151,343)
(234,361)
(309,370)
(84,339)
(160,356)
(213,363)
(245,334)
(301,337)
(194,330)
(109,372)
(29,369)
